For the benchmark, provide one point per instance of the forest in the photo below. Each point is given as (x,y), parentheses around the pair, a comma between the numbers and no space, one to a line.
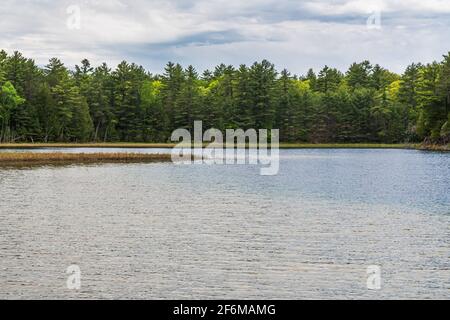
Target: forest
(367,103)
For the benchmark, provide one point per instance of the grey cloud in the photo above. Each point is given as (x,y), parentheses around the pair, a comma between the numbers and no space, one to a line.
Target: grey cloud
(293,34)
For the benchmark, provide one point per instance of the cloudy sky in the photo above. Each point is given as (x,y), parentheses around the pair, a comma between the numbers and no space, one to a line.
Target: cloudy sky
(291,33)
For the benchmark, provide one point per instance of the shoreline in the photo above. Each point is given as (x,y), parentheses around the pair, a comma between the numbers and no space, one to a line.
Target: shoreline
(120,145)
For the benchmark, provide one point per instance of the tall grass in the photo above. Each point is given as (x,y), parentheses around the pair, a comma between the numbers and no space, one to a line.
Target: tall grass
(85,145)
(74,158)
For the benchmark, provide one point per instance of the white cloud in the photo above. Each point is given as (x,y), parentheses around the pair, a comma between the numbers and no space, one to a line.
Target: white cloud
(334,7)
(295,34)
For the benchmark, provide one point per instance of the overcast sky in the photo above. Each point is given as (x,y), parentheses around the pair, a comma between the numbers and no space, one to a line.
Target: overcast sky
(292,34)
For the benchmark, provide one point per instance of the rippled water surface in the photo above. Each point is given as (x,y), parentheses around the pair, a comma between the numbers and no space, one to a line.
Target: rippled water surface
(156,231)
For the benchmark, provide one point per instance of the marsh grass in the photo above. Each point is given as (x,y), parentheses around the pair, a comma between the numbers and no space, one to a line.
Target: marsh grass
(85,145)
(30,158)
(434,147)
(346,146)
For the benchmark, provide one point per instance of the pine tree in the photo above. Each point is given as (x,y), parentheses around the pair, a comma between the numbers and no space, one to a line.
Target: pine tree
(285,116)
(368,104)
(312,78)
(444,92)
(128,80)
(243,100)
(187,102)
(100,97)
(432,107)
(329,79)
(172,79)
(262,81)
(359,75)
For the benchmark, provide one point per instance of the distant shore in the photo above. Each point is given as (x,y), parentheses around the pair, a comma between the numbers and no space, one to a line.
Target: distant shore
(430,147)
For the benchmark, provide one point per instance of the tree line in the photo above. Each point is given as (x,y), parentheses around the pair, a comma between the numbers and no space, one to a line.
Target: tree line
(367,103)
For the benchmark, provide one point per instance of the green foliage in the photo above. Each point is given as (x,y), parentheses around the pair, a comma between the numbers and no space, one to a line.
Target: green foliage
(155,123)
(9,100)
(359,75)
(366,104)
(444,93)
(329,79)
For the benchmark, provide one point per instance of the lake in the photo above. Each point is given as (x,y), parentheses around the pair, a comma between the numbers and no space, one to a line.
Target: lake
(161,231)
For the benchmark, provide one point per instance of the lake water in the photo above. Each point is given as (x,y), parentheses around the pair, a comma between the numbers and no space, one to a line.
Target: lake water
(160,231)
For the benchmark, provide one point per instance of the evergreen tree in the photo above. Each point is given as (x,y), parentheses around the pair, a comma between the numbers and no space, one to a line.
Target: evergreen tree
(432,107)
(243,101)
(329,79)
(444,92)
(262,79)
(312,78)
(172,80)
(188,101)
(368,104)
(100,97)
(359,75)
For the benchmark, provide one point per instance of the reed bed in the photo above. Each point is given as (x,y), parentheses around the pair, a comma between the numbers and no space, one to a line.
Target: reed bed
(346,146)
(85,145)
(30,158)
(435,147)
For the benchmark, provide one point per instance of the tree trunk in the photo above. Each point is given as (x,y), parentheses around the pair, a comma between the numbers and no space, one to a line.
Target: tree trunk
(96,131)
